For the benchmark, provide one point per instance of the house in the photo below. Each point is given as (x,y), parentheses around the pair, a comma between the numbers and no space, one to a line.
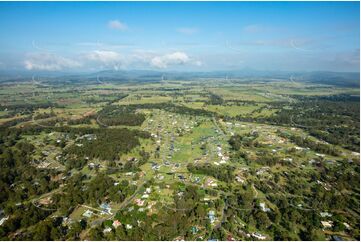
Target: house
(211,216)
(3,219)
(145,196)
(107,230)
(239,179)
(230,238)
(311,161)
(181,177)
(88,213)
(116,223)
(128,226)
(347,225)
(194,229)
(264,208)
(66,221)
(210,182)
(327,224)
(336,238)
(325,214)
(139,202)
(45,201)
(259,236)
(160,177)
(105,208)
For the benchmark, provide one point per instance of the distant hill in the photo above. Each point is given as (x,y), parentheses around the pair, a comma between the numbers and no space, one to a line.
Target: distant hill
(347,79)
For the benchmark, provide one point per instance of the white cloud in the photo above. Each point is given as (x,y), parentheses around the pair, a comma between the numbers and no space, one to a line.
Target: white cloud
(103,56)
(176,58)
(116,24)
(48,62)
(187,31)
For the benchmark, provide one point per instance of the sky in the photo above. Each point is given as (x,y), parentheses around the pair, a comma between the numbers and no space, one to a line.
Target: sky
(180,36)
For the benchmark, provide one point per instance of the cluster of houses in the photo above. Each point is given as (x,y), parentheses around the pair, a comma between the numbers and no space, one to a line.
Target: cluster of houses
(223,158)
(140,202)
(115,224)
(263,170)
(88,137)
(105,209)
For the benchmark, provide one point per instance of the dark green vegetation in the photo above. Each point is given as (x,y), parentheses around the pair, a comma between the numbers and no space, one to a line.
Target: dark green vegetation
(114,115)
(106,144)
(193,158)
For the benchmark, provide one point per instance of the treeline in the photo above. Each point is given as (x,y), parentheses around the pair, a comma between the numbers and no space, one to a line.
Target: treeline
(44,115)
(82,120)
(16,121)
(109,143)
(174,109)
(223,174)
(215,99)
(28,108)
(237,141)
(120,115)
(109,98)
(309,143)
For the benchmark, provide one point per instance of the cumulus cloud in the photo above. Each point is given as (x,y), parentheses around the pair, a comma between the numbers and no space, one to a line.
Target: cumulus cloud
(105,59)
(103,56)
(48,62)
(176,58)
(116,24)
(187,31)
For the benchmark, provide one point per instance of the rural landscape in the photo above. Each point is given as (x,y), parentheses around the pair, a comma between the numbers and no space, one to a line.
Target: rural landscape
(180,121)
(171,159)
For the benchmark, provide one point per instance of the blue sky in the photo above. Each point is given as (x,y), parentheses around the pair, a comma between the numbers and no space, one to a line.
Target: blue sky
(193,36)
